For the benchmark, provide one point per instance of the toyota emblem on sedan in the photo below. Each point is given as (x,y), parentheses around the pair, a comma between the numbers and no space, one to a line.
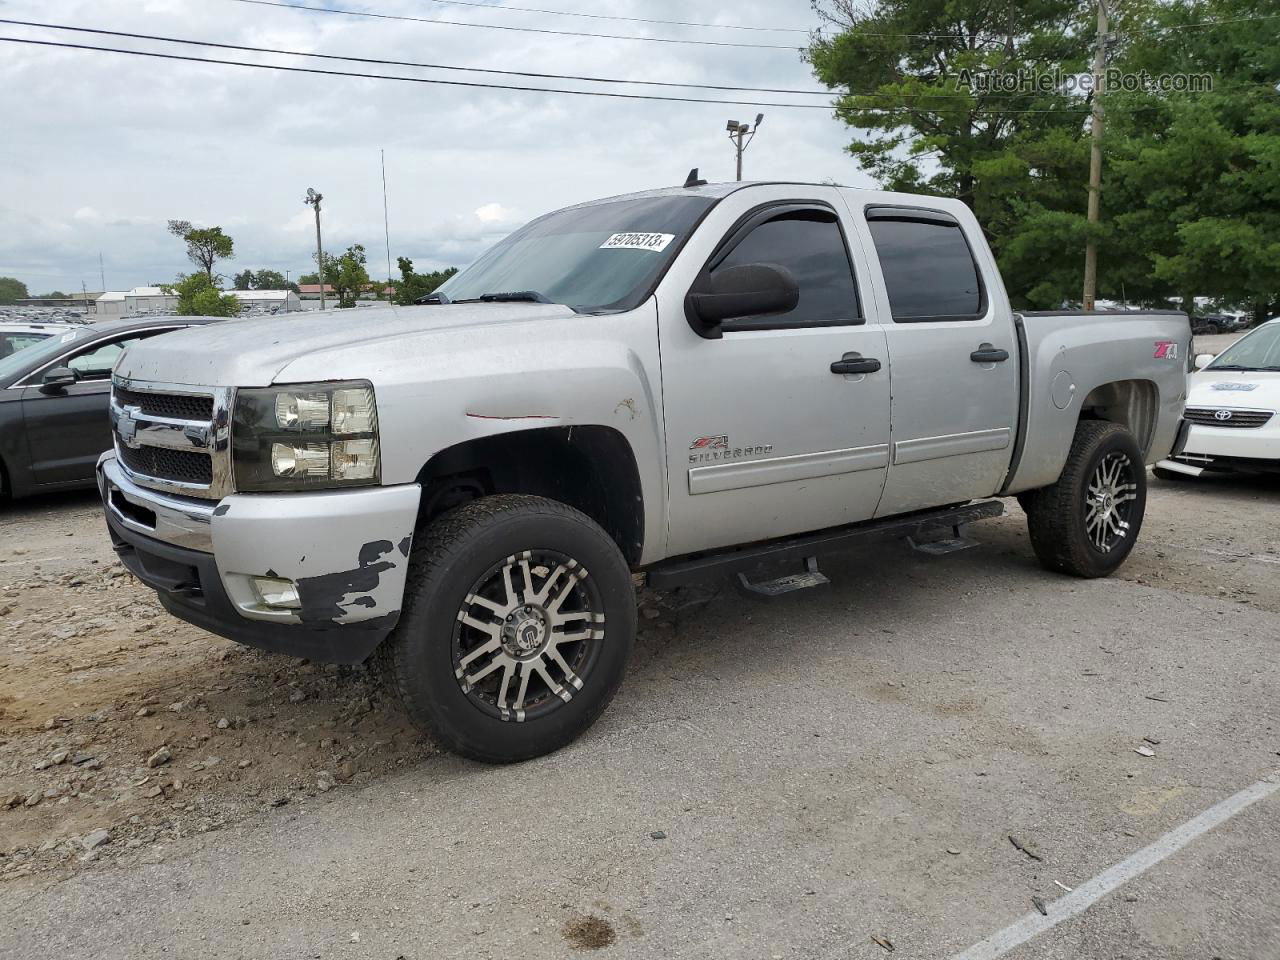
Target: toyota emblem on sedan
(1222,415)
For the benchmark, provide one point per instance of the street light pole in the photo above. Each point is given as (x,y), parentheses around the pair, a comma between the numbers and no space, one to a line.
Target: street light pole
(737,131)
(1095,158)
(314,199)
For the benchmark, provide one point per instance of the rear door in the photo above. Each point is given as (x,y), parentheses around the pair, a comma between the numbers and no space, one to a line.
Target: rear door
(68,430)
(763,438)
(953,355)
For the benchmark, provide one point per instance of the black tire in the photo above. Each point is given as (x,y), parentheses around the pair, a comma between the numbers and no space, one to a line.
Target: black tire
(451,564)
(1057,515)
(1171,475)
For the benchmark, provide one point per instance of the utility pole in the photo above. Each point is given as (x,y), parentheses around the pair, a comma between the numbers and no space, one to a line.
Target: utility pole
(102,273)
(287,291)
(737,131)
(314,199)
(386,222)
(1095,158)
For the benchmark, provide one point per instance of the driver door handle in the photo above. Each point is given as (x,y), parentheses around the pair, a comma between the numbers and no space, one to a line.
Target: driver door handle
(989,353)
(854,364)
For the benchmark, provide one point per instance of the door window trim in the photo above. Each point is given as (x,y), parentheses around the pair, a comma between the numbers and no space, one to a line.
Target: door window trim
(904,214)
(743,226)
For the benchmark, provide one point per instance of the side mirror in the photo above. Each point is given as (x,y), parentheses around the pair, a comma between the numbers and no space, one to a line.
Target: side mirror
(57,379)
(749,290)
(1203,360)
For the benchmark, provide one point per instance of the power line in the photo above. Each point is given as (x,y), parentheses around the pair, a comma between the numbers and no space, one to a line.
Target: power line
(414,63)
(608,16)
(467,83)
(426,80)
(897,98)
(503,26)
(975,108)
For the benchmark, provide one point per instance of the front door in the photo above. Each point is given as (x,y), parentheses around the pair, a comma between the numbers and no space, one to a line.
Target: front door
(69,429)
(764,439)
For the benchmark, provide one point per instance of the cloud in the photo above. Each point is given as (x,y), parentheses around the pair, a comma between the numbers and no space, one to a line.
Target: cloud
(139,141)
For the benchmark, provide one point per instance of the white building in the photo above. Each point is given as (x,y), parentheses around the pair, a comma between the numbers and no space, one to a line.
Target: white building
(267,301)
(138,302)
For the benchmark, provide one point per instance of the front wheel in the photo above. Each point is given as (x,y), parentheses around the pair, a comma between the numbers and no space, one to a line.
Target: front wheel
(1087,523)
(519,619)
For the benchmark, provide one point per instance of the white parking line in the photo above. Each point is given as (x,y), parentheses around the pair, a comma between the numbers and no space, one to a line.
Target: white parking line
(1086,894)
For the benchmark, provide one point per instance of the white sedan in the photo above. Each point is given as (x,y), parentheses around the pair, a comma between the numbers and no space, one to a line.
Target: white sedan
(1233,406)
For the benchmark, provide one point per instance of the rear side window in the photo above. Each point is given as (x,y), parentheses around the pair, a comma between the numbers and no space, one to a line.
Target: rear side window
(928,267)
(811,246)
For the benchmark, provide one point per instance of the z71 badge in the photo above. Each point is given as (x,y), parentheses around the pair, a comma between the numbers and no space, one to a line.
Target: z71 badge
(1166,350)
(718,450)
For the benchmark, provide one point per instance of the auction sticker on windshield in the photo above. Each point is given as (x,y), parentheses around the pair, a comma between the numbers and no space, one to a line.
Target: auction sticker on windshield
(657,242)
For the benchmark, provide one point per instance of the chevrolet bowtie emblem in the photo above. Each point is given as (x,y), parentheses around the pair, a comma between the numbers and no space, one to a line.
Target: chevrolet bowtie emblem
(127,426)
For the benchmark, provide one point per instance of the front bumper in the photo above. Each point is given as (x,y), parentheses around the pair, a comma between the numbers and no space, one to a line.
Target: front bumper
(1229,449)
(346,552)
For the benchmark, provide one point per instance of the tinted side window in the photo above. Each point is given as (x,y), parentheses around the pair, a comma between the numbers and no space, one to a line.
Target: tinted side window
(928,269)
(811,246)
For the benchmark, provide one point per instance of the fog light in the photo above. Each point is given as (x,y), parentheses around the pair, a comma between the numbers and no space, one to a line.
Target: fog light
(278,593)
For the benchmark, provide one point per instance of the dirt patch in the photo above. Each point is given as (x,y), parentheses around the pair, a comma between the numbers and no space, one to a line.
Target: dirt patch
(119,718)
(589,933)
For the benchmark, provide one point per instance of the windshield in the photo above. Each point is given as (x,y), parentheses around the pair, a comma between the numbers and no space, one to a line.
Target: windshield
(603,257)
(1259,350)
(33,356)
(11,343)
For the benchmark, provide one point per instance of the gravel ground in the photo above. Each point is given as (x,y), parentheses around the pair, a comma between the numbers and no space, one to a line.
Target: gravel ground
(776,779)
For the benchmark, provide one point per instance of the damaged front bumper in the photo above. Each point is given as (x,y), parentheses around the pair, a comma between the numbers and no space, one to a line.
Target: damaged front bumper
(344,553)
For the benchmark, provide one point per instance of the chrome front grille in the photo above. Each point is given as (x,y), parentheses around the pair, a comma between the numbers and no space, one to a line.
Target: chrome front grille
(1230,417)
(173,437)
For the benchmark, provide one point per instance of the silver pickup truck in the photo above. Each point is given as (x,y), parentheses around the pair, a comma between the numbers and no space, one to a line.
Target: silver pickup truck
(691,382)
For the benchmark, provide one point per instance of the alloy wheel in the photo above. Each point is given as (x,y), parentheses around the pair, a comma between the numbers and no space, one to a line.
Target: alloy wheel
(1109,501)
(527,635)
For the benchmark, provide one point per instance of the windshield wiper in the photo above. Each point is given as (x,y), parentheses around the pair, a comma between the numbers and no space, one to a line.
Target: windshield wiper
(1237,367)
(515,296)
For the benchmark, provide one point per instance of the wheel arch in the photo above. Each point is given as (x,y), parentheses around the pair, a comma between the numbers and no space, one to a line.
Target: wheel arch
(1134,404)
(590,467)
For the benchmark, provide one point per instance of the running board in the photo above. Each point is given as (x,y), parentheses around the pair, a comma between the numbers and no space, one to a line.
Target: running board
(810,577)
(692,569)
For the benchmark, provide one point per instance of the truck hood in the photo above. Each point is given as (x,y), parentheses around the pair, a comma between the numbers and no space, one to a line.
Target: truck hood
(1241,389)
(253,351)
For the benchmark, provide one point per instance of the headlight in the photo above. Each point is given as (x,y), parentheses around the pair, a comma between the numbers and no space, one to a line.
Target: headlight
(305,436)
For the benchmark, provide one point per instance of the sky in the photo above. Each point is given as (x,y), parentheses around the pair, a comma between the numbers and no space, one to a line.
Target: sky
(100,150)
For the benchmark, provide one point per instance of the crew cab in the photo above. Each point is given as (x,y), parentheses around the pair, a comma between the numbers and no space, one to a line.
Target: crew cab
(683,383)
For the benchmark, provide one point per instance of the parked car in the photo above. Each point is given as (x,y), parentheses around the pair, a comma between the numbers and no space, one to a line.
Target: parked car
(681,384)
(1233,406)
(19,336)
(54,398)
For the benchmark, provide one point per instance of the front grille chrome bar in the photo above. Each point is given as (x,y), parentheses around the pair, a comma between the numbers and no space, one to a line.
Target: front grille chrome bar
(159,449)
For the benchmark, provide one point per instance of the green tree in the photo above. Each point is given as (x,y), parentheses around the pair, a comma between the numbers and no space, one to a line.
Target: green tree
(272,280)
(347,274)
(205,245)
(1191,186)
(54,295)
(412,286)
(309,278)
(198,297)
(244,280)
(12,290)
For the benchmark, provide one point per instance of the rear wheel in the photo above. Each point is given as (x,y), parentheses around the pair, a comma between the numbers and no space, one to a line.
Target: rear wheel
(1087,523)
(518,621)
